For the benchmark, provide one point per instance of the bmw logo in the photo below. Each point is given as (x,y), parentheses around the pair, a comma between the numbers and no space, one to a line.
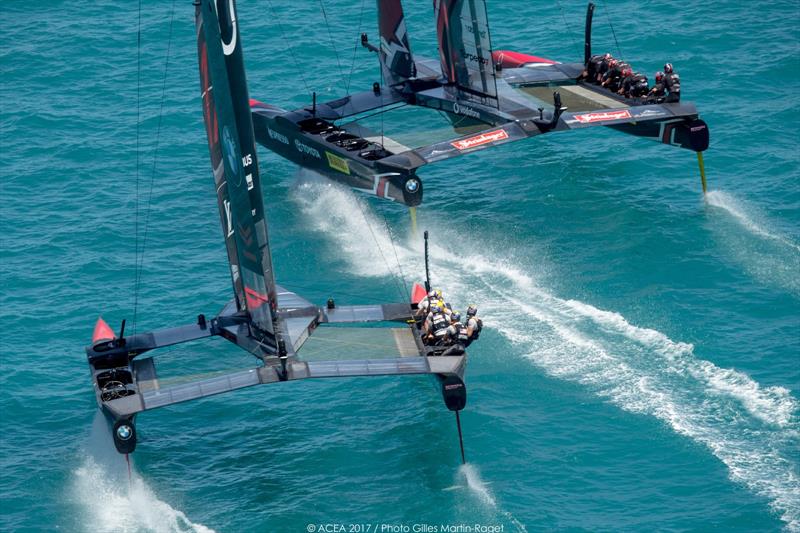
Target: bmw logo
(124,432)
(412,185)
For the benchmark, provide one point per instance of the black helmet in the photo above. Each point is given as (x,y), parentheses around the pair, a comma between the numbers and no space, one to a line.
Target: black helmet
(472,310)
(668,68)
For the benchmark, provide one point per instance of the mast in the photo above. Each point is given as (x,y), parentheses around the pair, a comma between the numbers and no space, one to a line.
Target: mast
(234,162)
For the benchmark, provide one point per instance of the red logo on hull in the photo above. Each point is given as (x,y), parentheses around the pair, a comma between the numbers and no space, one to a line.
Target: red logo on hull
(478,140)
(601,117)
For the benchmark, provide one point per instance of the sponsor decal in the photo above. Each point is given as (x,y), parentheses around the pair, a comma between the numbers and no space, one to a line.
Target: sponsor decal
(697,128)
(306,149)
(478,140)
(228,217)
(274,135)
(650,113)
(337,163)
(461,109)
(230,150)
(603,116)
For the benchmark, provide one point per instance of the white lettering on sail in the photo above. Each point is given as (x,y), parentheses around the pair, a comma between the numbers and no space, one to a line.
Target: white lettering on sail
(249,179)
(247,160)
(228,217)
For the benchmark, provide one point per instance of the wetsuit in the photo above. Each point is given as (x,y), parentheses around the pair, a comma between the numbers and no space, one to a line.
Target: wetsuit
(474,324)
(635,86)
(612,79)
(593,67)
(672,82)
(657,93)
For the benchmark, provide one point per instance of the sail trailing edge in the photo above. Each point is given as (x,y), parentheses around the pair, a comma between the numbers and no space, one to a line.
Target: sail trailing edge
(465,48)
(234,161)
(395,52)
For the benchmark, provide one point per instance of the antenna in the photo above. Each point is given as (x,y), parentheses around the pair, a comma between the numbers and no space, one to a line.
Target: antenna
(427,269)
(314,103)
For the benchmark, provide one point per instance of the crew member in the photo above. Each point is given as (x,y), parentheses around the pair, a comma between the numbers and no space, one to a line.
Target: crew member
(656,94)
(424,305)
(672,82)
(436,325)
(612,79)
(474,325)
(635,85)
(596,67)
(456,335)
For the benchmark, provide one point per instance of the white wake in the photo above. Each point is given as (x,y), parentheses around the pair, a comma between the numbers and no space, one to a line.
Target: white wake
(747,426)
(763,252)
(114,503)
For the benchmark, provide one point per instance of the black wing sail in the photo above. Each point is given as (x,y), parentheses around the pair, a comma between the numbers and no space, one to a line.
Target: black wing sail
(395,51)
(465,48)
(234,161)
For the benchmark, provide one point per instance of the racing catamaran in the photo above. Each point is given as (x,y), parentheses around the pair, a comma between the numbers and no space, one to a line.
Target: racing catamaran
(488,97)
(291,337)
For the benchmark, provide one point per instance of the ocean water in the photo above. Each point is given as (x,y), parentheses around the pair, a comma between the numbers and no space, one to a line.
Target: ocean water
(640,366)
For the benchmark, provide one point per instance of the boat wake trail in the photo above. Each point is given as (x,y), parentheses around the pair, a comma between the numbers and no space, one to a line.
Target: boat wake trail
(772,258)
(752,429)
(480,490)
(115,503)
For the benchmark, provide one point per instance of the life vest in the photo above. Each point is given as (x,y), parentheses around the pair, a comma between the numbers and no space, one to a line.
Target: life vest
(461,333)
(672,82)
(478,327)
(637,85)
(439,324)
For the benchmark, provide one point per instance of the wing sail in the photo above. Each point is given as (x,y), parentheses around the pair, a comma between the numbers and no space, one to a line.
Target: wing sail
(395,52)
(465,47)
(234,161)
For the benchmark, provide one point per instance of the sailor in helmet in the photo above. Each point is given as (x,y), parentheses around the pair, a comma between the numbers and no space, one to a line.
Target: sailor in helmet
(436,325)
(456,335)
(659,89)
(474,325)
(424,305)
(673,84)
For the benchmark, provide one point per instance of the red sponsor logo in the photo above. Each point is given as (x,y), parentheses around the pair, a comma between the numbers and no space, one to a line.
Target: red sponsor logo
(601,117)
(483,138)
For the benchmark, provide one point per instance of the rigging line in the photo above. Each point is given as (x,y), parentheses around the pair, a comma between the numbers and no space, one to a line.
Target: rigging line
(383,110)
(380,250)
(333,44)
(575,41)
(136,203)
(355,48)
(605,10)
(397,259)
(155,160)
(288,47)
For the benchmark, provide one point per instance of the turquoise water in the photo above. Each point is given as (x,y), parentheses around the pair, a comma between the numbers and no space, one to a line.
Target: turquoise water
(639,369)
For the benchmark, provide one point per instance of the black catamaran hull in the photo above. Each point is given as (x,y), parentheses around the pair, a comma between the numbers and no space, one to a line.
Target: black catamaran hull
(490,98)
(317,145)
